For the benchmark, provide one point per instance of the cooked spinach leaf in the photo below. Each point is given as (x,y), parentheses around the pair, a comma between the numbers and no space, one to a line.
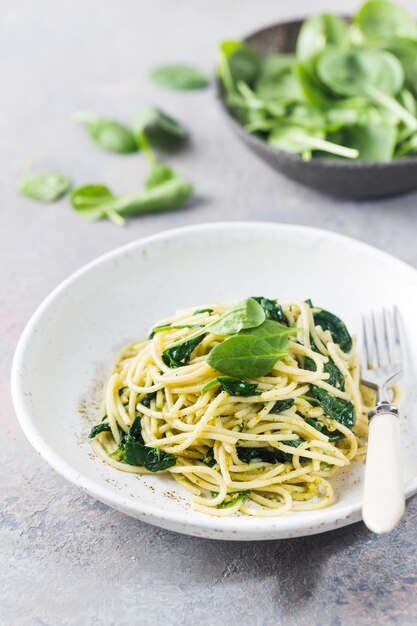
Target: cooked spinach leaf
(103,427)
(333,435)
(339,332)
(336,408)
(267,455)
(207,310)
(135,430)
(273,310)
(152,459)
(232,386)
(209,458)
(282,405)
(177,355)
(336,378)
(246,314)
(147,399)
(233,499)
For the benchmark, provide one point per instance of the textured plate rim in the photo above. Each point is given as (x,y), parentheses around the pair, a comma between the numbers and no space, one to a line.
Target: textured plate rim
(292,525)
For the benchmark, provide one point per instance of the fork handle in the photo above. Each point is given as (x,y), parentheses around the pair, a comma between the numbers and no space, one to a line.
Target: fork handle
(383,500)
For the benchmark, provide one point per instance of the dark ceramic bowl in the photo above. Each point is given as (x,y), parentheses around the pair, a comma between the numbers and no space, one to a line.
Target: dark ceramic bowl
(354,179)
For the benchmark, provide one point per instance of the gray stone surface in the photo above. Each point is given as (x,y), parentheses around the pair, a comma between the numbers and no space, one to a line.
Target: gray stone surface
(66,559)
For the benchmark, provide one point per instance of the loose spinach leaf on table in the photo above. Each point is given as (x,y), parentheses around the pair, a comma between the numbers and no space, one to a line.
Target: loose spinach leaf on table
(232,386)
(95,202)
(182,77)
(162,130)
(45,186)
(336,408)
(108,134)
(339,332)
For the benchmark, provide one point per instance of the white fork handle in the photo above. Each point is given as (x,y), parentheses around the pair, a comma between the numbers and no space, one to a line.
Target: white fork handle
(383,499)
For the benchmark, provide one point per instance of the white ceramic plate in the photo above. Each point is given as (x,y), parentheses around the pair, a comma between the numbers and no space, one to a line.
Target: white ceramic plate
(70,342)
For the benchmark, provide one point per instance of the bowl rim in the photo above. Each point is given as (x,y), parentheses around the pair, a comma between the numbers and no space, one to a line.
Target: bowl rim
(290,156)
(310,522)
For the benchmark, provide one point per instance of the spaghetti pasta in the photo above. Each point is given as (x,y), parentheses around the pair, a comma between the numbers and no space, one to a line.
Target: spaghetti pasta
(262,445)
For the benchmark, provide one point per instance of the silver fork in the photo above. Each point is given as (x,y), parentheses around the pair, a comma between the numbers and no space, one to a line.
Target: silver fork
(383,498)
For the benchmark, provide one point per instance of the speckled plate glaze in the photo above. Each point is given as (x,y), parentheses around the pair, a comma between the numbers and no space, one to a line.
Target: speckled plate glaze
(71,340)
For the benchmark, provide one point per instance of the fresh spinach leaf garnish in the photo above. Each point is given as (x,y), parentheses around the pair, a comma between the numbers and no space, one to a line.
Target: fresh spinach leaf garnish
(336,408)
(339,332)
(160,329)
(272,309)
(45,186)
(182,77)
(252,352)
(108,134)
(282,405)
(246,314)
(232,386)
(178,355)
(103,427)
